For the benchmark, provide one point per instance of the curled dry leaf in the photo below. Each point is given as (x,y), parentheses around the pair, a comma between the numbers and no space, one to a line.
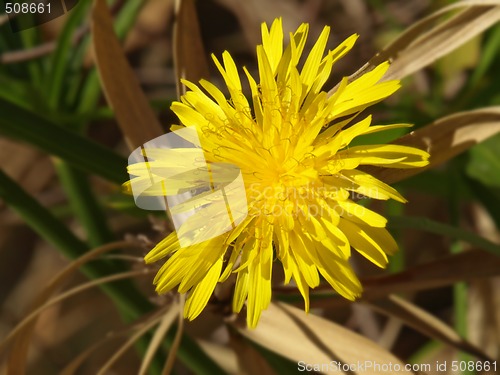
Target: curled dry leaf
(425,42)
(426,323)
(307,338)
(444,139)
(121,87)
(189,54)
(428,47)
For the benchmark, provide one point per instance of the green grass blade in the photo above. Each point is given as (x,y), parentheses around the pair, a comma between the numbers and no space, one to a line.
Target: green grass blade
(84,204)
(431,226)
(130,301)
(59,60)
(18,123)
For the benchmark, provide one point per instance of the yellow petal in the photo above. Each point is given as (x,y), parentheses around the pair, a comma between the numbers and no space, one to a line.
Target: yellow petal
(165,247)
(372,243)
(355,211)
(199,296)
(273,42)
(339,275)
(390,156)
(313,61)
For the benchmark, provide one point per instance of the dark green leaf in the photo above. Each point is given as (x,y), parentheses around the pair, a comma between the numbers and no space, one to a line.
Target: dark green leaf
(484,162)
(18,123)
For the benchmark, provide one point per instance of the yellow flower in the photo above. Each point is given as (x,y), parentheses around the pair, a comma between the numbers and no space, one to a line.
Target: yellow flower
(299,176)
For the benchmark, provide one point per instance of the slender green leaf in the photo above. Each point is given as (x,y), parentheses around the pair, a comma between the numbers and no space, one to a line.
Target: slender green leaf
(59,61)
(484,162)
(431,226)
(129,299)
(488,55)
(84,204)
(18,123)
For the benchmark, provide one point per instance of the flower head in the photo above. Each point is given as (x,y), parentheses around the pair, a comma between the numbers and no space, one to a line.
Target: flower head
(290,146)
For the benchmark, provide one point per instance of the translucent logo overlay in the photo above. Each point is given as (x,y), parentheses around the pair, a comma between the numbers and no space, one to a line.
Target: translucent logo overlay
(205,199)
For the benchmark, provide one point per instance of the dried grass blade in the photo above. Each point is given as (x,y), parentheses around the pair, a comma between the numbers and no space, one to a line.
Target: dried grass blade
(169,363)
(23,334)
(422,321)
(142,330)
(444,139)
(298,336)
(189,54)
(20,331)
(72,367)
(158,336)
(121,87)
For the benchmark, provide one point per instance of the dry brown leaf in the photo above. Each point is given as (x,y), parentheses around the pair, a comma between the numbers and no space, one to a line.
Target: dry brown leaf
(426,323)
(307,338)
(483,320)
(189,55)
(423,43)
(442,40)
(121,87)
(444,139)
(466,266)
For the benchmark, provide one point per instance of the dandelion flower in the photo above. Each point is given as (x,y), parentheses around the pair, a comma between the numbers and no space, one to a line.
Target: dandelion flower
(290,143)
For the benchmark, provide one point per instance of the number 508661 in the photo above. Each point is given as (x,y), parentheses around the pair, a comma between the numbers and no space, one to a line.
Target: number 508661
(25,8)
